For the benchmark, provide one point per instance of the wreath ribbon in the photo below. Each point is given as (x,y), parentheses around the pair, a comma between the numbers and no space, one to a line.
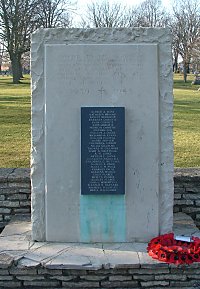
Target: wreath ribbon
(166,249)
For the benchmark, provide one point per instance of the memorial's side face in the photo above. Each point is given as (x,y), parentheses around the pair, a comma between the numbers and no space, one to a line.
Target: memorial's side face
(102,161)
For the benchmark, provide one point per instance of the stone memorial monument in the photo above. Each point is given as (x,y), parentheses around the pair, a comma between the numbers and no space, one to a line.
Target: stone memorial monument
(102,143)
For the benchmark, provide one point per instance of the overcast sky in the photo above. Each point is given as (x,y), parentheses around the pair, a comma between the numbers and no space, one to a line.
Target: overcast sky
(82,5)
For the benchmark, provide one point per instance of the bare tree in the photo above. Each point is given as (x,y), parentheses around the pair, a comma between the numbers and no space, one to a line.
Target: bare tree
(150,13)
(54,13)
(16,19)
(186,30)
(106,15)
(19,18)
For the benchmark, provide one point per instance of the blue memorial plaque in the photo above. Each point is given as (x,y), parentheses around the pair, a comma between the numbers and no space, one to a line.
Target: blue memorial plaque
(102,150)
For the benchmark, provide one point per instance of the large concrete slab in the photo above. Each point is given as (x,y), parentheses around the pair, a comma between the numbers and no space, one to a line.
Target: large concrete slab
(79,256)
(103,67)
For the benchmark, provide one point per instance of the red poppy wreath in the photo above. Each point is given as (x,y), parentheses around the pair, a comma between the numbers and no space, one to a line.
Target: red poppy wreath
(165,248)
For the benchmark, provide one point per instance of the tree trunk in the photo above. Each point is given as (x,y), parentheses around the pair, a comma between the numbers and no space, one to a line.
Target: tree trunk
(185,72)
(16,67)
(20,67)
(175,66)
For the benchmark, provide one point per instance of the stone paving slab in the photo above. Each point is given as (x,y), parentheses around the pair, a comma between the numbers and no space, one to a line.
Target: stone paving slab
(16,245)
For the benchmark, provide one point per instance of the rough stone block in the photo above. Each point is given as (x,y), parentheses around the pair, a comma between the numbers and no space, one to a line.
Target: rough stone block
(115,284)
(25,203)
(93,277)
(19,271)
(193,189)
(155,283)
(17,197)
(2,197)
(19,175)
(177,196)
(5,211)
(10,284)
(77,272)
(180,284)
(190,210)
(171,277)
(194,276)
(42,284)
(49,272)
(81,284)
(197,203)
(5,261)
(6,278)
(120,278)
(191,196)
(19,185)
(183,202)
(4,272)
(149,271)
(7,218)
(9,204)
(144,277)
(63,278)
(23,211)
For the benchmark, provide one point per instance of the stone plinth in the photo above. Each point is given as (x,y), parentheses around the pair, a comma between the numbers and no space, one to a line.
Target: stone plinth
(74,68)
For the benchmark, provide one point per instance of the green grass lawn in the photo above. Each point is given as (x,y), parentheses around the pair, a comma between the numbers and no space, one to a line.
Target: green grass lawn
(15,123)
(186,123)
(15,137)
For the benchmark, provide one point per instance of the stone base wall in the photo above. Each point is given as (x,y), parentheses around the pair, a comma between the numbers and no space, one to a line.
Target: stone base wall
(187,193)
(15,193)
(157,275)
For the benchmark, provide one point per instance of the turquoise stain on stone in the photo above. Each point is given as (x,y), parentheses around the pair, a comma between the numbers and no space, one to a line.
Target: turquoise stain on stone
(102,218)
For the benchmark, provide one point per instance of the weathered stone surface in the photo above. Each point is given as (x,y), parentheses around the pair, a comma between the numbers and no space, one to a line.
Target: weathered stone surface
(5,211)
(121,256)
(155,283)
(9,204)
(5,261)
(19,175)
(120,278)
(27,263)
(177,196)
(171,277)
(180,284)
(114,284)
(6,278)
(93,277)
(4,272)
(144,277)
(17,197)
(20,271)
(147,262)
(10,284)
(42,284)
(49,272)
(63,278)
(30,277)
(149,271)
(190,210)
(81,284)
(4,173)
(184,202)
(133,36)
(191,196)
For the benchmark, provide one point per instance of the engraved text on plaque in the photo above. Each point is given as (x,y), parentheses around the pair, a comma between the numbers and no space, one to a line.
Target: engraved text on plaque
(102,150)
